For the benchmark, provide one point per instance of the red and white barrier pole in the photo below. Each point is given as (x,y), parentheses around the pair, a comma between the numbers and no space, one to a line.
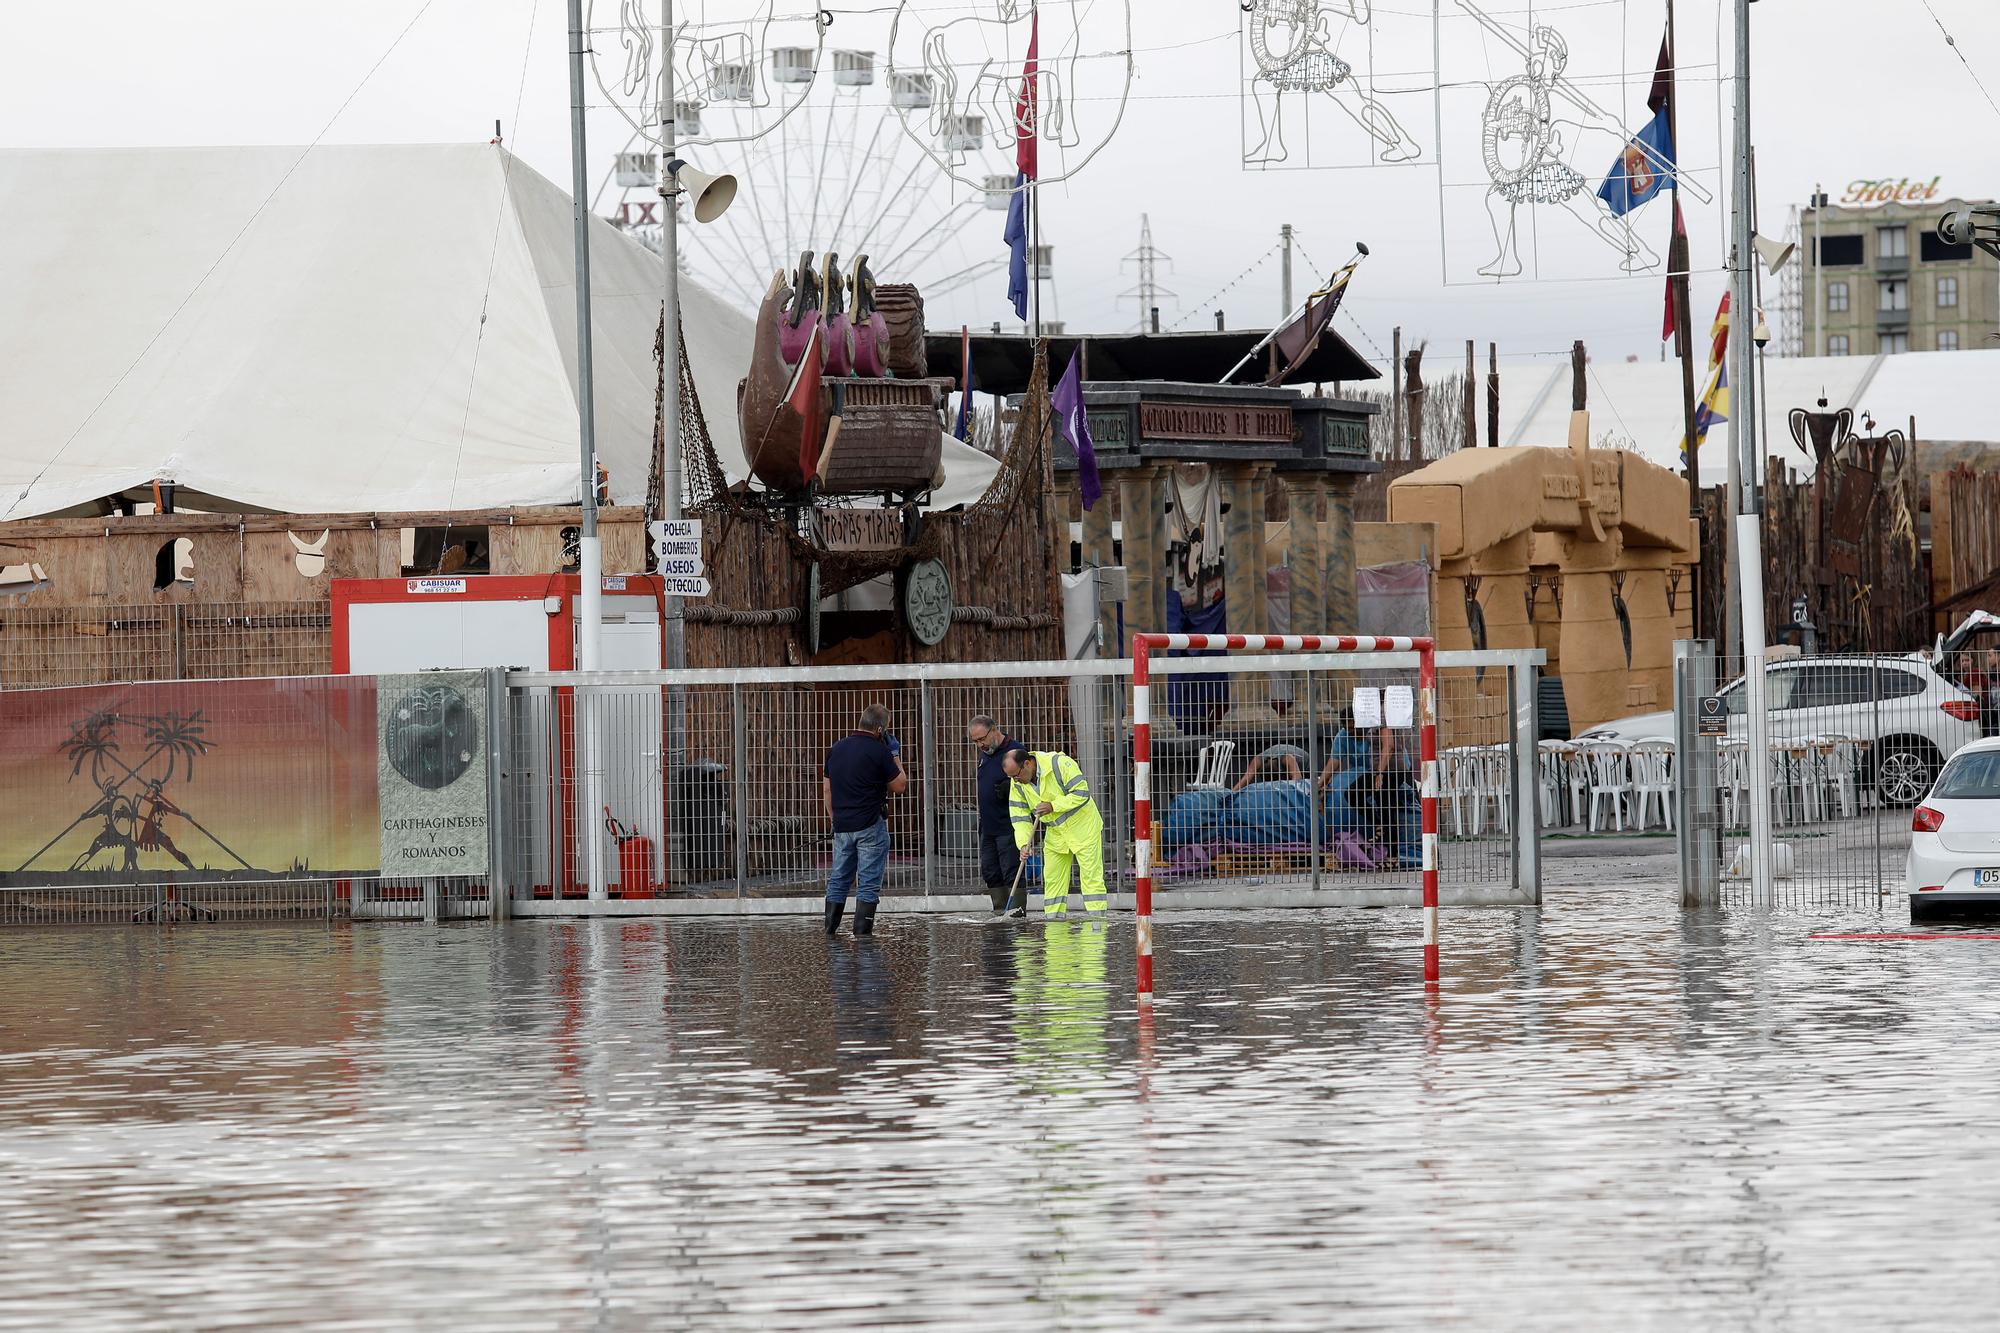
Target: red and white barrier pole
(1142,761)
(1142,807)
(1427,754)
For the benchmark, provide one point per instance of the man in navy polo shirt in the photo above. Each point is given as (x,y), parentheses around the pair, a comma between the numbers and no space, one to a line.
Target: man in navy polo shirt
(862,772)
(999,858)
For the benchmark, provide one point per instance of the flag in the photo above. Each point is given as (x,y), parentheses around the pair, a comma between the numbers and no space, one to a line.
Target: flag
(963,430)
(803,398)
(1296,341)
(1677,265)
(1661,96)
(1643,169)
(1713,407)
(1067,401)
(1718,333)
(1027,106)
(1026,165)
(1016,237)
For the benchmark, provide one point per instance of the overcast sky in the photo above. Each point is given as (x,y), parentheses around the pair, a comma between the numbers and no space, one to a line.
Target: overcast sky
(1845,89)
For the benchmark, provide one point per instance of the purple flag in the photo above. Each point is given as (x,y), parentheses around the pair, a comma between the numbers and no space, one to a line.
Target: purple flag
(1067,401)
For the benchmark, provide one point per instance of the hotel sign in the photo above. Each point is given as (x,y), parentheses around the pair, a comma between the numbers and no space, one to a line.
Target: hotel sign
(1225,422)
(1888,190)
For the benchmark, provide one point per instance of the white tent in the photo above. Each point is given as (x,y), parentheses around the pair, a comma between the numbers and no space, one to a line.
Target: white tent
(1950,394)
(344,329)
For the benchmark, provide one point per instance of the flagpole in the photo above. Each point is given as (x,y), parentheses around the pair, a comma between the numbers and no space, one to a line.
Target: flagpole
(1678,263)
(1034,183)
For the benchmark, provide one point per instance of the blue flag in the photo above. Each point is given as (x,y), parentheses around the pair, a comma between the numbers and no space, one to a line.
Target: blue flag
(1643,169)
(1067,401)
(1016,237)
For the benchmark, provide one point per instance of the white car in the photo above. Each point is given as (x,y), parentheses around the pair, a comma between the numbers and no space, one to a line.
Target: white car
(1954,865)
(1913,718)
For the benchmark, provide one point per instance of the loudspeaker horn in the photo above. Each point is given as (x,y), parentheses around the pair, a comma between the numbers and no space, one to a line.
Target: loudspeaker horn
(711,195)
(1775,254)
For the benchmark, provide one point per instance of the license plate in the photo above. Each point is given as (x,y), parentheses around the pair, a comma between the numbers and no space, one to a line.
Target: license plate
(1986,879)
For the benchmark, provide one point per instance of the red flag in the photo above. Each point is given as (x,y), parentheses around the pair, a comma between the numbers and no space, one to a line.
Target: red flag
(1719,333)
(1662,92)
(803,398)
(1677,265)
(1027,107)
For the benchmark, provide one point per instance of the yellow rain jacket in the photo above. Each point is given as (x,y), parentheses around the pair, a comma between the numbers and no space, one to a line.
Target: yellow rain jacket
(1072,831)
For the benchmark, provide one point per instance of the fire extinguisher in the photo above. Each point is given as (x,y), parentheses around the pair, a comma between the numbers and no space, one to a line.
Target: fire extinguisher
(635,858)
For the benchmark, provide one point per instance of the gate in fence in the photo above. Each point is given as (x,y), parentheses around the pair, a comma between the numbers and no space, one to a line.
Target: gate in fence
(1855,741)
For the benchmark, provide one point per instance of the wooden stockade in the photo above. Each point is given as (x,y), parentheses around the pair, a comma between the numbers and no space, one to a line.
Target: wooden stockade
(1965,544)
(114,598)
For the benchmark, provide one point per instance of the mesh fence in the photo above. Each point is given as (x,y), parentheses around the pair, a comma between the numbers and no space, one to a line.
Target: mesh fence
(1854,742)
(713,787)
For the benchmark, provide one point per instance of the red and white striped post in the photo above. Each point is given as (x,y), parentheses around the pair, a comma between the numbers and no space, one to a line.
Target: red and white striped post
(1142,760)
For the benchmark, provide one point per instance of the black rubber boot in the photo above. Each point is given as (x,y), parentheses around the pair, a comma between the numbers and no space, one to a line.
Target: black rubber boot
(864,918)
(998,897)
(833,911)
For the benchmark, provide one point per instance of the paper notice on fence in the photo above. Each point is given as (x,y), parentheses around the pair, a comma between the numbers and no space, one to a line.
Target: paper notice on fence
(431,773)
(1399,707)
(1367,707)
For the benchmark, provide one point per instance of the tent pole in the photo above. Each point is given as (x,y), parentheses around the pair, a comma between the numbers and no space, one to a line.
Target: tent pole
(590,556)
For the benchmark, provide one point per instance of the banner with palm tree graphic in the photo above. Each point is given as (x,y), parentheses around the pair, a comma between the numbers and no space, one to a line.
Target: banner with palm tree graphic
(190,780)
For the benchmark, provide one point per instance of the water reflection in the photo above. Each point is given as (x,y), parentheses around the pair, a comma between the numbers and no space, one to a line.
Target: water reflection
(1613,1113)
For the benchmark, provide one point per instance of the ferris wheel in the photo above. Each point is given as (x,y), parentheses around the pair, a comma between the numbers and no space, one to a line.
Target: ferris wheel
(797,107)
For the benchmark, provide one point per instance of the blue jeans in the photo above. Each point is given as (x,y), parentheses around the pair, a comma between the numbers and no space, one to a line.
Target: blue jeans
(862,857)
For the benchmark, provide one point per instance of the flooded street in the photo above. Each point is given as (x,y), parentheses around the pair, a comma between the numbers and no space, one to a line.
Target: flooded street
(1615,1115)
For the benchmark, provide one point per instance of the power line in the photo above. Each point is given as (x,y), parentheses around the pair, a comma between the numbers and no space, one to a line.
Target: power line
(1959,51)
(1256,264)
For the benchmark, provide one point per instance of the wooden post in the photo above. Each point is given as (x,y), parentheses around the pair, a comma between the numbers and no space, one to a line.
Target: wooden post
(1492,395)
(1413,389)
(1579,388)
(1396,393)
(1471,397)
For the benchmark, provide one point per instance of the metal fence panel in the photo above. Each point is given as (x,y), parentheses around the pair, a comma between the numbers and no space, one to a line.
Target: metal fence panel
(1856,741)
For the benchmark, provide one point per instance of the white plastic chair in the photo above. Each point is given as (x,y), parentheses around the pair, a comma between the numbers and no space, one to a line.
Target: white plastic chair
(1492,784)
(1610,767)
(1840,763)
(1549,778)
(1576,772)
(1732,777)
(1211,770)
(1653,782)
(1455,785)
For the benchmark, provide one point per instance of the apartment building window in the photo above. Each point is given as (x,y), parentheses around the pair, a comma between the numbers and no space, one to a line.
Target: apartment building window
(1934,249)
(1893,344)
(1837,345)
(1947,340)
(1841,251)
(1836,298)
(1892,294)
(1947,292)
(1892,243)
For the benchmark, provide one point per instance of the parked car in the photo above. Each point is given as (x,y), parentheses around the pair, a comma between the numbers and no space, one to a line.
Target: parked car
(1912,718)
(1954,863)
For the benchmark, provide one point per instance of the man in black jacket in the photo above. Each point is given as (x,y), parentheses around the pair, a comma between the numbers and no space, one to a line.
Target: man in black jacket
(999,858)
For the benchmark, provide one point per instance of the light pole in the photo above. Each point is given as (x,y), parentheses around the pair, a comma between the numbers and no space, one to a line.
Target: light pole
(1749,564)
(590,555)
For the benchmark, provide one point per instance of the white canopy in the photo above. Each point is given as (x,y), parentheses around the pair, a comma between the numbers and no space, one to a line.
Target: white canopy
(341,329)
(1950,394)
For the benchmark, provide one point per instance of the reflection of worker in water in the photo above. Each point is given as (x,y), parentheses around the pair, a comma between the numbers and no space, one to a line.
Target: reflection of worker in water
(1061,1004)
(152,836)
(114,810)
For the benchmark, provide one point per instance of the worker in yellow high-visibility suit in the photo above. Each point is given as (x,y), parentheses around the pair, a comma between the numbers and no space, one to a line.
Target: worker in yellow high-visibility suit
(1048,788)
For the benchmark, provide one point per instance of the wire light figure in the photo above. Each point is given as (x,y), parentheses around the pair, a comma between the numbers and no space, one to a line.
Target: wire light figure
(1291,43)
(1528,133)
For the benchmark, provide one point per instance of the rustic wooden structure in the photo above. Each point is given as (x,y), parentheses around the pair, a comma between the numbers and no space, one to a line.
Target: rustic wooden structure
(1965,545)
(120,597)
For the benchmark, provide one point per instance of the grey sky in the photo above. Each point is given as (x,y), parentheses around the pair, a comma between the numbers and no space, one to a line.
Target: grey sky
(1846,89)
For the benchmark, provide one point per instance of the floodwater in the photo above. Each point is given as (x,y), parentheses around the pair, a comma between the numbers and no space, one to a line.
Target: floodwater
(1612,1116)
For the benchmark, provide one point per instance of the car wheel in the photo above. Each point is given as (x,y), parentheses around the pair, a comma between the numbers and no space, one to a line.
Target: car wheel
(1905,772)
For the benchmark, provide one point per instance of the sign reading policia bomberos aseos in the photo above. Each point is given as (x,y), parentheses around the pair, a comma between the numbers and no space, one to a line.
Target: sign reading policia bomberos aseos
(431,773)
